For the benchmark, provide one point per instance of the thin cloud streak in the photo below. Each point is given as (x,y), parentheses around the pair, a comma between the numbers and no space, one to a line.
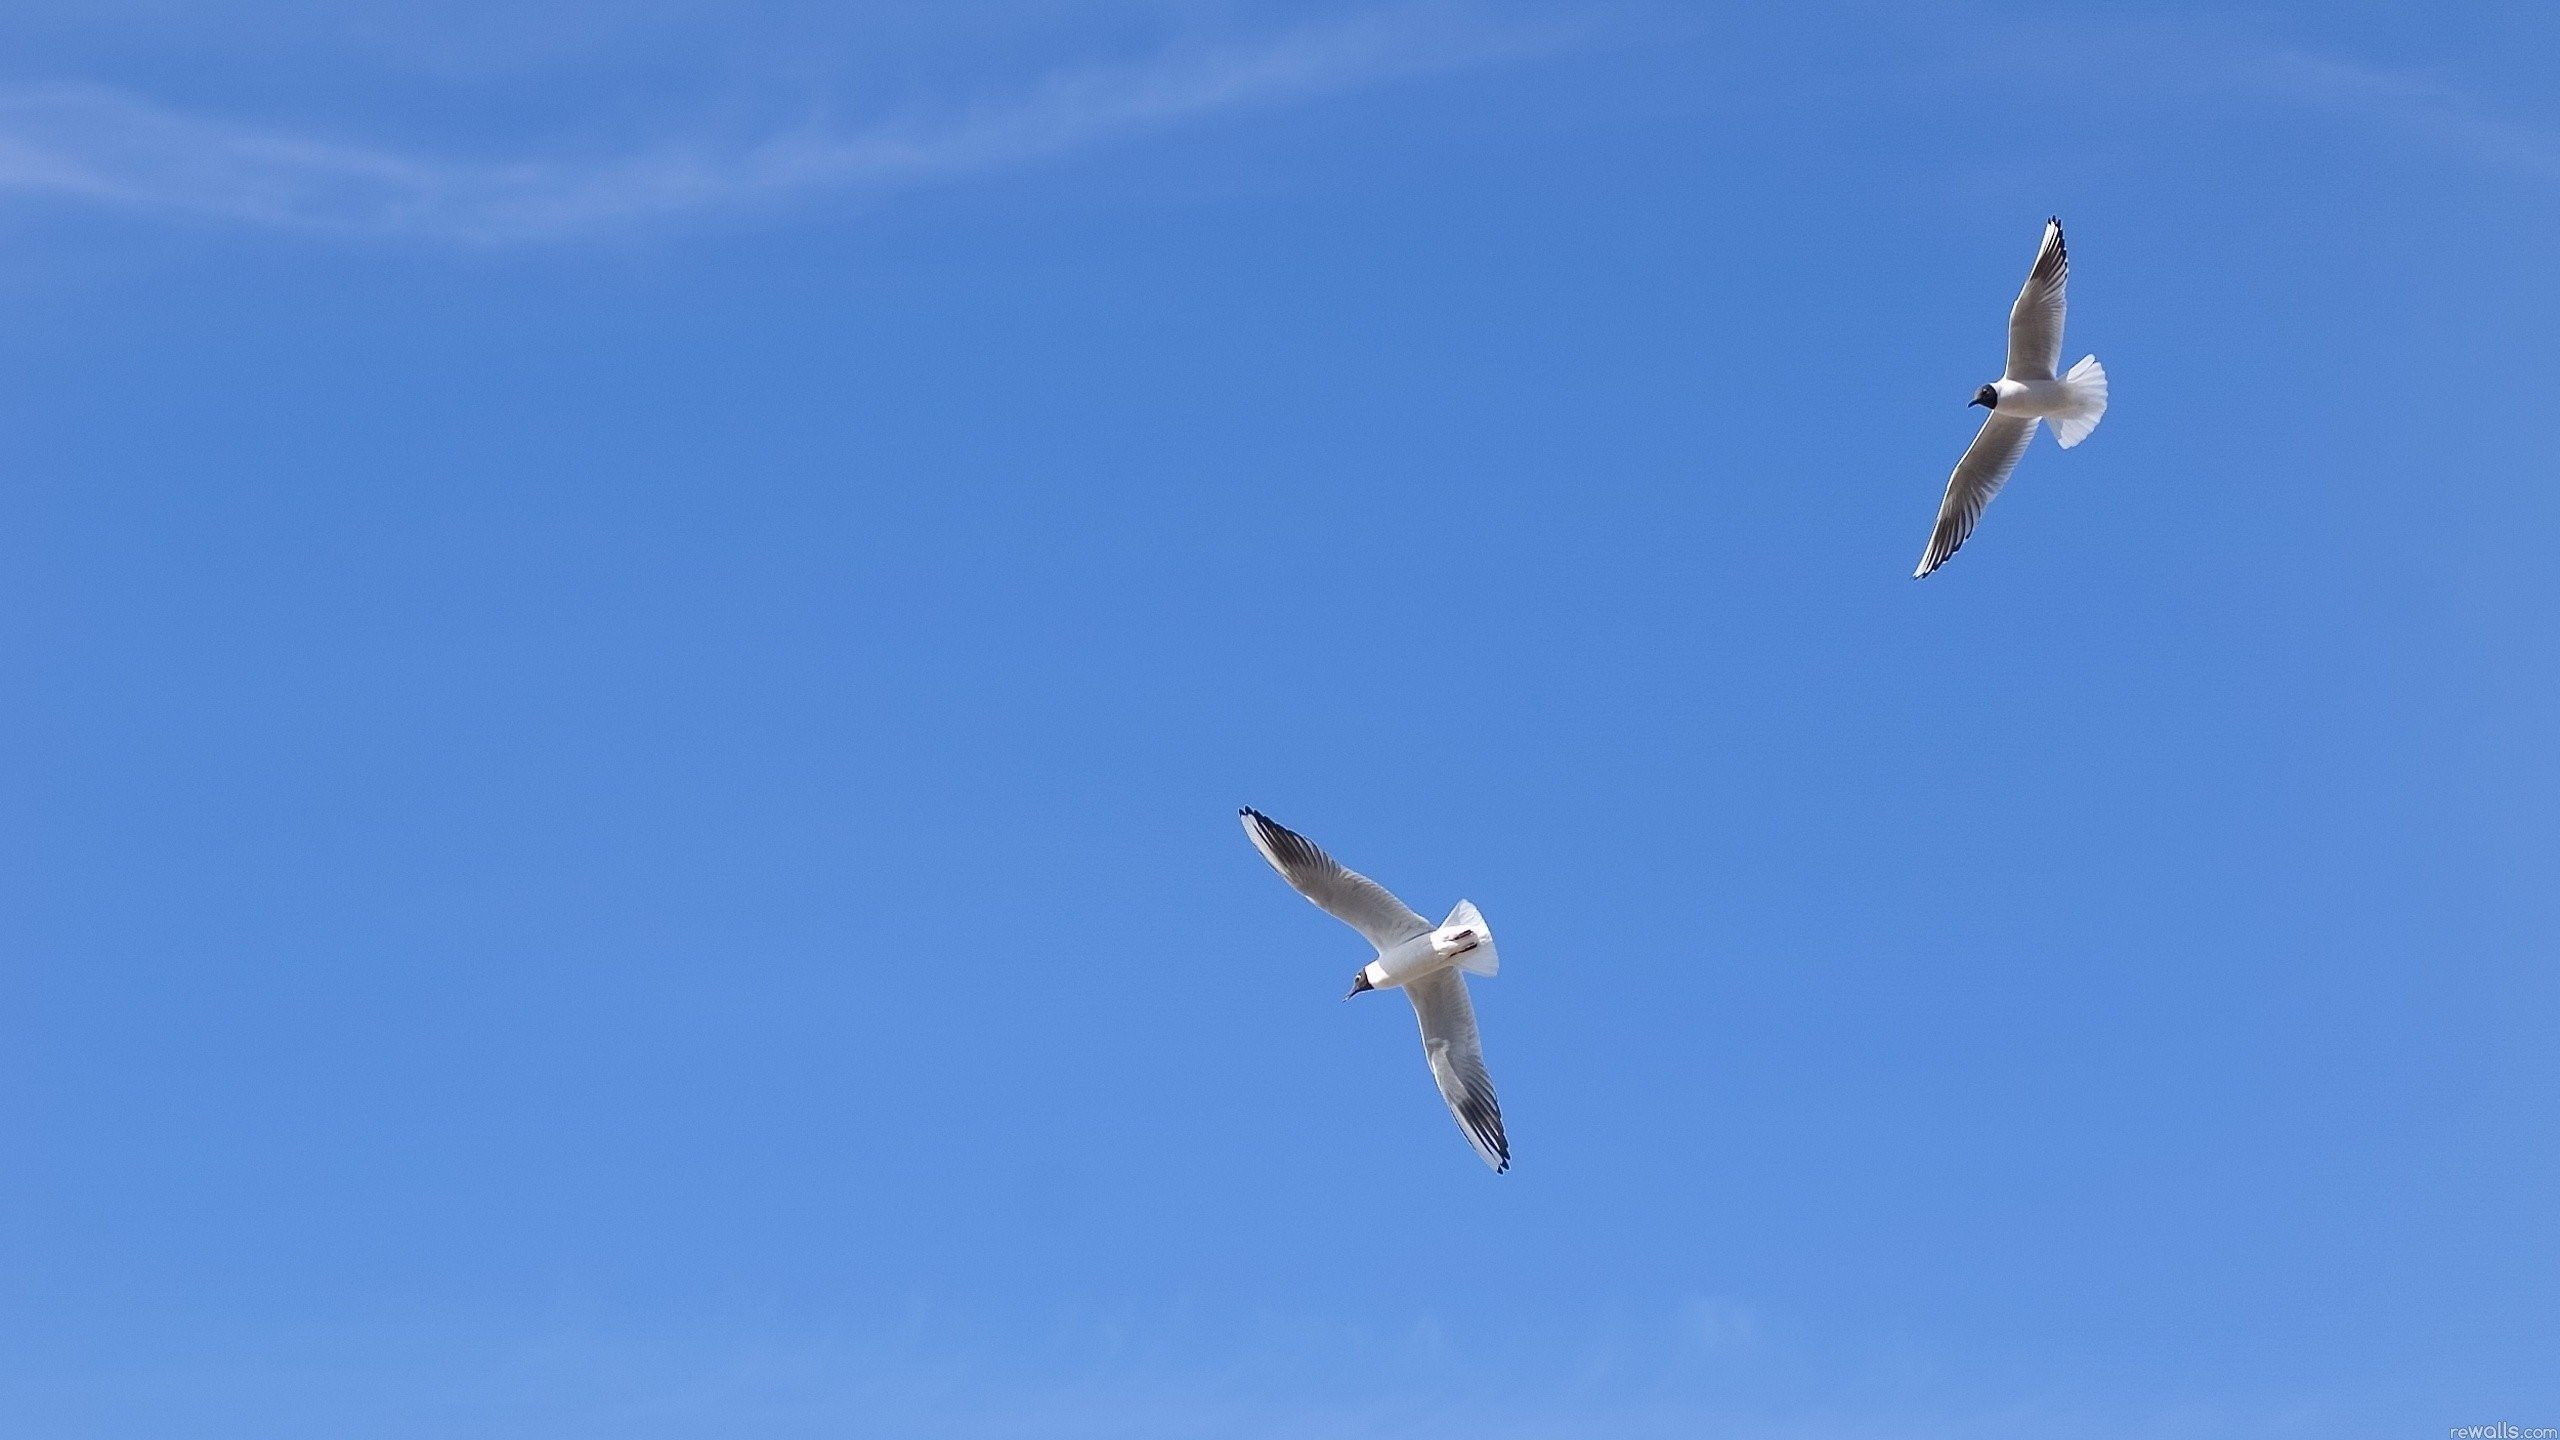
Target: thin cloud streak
(111,148)
(2421,105)
(1163,1373)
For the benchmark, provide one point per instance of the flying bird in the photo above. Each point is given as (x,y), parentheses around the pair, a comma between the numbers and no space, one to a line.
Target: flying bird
(2029,392)
(1413,955)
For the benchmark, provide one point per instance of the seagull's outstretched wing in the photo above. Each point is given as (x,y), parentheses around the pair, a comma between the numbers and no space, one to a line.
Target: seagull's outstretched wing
(1457,1062)
(1346,895)
(1979,476)
(2035,322)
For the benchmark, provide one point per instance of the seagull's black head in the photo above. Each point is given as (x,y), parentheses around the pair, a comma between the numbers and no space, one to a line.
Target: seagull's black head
(1988,397)
(1360,982)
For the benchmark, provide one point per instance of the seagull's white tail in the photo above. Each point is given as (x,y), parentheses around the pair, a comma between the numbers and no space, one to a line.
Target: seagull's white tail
(1481,960)
(2088,397)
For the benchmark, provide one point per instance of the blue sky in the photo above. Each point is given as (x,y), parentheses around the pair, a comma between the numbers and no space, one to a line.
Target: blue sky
(635,634)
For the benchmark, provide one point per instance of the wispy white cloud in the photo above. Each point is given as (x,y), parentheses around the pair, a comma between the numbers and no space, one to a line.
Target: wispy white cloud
(2419,104)
(108,147)
(1174,1373)
(2181,62)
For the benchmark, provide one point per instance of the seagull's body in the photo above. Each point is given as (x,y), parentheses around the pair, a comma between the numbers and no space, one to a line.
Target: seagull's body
(2035,399)
(2029,392)
(1415,956)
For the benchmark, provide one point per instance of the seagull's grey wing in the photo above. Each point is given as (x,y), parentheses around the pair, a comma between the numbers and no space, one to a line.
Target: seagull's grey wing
(1979,476)
(1457,1061)
(2035,322)
(1346,895)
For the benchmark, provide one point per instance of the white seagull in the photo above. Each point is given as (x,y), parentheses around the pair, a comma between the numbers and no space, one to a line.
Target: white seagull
(1424,961)
(2027,393)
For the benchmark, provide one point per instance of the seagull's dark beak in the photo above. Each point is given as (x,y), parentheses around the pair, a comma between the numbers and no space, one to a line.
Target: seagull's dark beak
(1359,983)
(1978,400)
